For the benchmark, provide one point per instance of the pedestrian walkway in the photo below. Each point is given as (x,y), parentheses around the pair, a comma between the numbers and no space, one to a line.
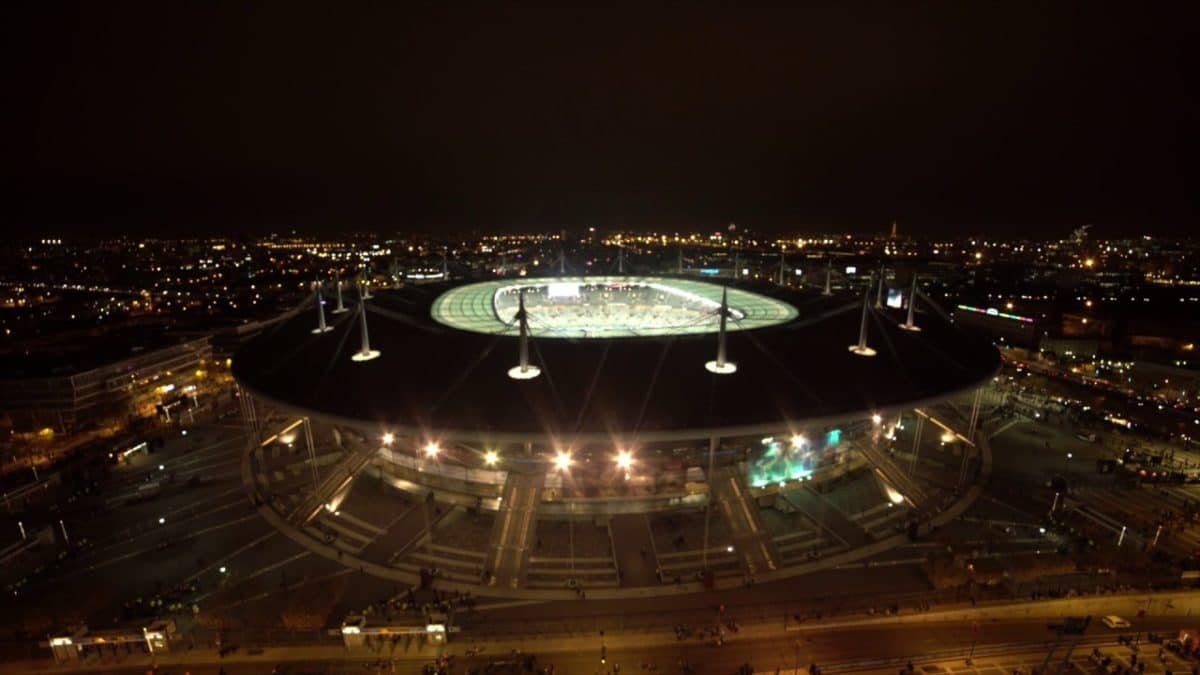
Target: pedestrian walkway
(826,515)
(754,546)
(514,530)
(633,550)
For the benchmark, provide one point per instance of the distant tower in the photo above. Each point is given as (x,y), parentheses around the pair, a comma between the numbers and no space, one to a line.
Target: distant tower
(562,262)
(365,353)
(782,268)
(341,308)
(721,366)
(912,304)
(322,327)
(894,234)
(861,348)
(364,291)
(523,370)
(620,259)
(828,278)
(679,264)
(445,267)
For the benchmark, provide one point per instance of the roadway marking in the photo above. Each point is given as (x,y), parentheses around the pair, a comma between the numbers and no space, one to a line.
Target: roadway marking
(226,558)
(259,572)
(1005,427)
(267,594)
(193,535)
(123,539)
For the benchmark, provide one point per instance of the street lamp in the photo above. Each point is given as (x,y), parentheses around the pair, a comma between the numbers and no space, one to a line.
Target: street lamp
(624,460)
(491,457)
(388,438)
(877,419)
(432,449)
(798,440)
(562,461)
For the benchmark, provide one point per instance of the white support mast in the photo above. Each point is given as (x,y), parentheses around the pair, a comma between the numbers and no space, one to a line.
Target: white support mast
(879,295)
(366,353)
(364,291)
(341,308)
(322,327)
(861,348)
(908,324)
(523,370)
(722,366)
(828,279)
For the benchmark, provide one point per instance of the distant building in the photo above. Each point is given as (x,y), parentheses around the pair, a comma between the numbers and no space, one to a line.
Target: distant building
(96,379)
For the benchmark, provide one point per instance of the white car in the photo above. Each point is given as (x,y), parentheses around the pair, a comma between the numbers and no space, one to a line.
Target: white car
(1114,621)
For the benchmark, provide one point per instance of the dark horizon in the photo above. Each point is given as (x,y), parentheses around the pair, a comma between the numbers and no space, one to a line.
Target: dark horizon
(148,119)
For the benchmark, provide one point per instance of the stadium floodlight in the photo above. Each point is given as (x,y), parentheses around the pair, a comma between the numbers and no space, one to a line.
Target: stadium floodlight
(877,419)
(798,440)
(491,458)
(388,438)
(624,460)
(432,449)
(562,461)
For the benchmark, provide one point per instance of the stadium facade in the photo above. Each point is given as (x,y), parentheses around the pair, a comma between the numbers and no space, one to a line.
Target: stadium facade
(597,397)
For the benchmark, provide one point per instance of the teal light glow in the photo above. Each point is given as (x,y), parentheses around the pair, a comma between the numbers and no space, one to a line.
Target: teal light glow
(781,461)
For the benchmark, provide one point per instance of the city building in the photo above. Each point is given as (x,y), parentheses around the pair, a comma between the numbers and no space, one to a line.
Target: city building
(70,384)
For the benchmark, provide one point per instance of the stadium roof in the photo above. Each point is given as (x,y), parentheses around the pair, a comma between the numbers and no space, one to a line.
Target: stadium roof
(445,383)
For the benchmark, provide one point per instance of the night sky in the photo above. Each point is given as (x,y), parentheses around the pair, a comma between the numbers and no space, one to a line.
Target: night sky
(249,116)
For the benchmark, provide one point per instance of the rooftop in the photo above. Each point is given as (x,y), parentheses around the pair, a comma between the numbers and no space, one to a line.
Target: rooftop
(442,382)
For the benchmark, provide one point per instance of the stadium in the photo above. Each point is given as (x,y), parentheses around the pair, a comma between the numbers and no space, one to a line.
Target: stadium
(546,437)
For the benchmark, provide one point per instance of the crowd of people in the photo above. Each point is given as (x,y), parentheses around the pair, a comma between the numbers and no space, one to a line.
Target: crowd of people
(600,309)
